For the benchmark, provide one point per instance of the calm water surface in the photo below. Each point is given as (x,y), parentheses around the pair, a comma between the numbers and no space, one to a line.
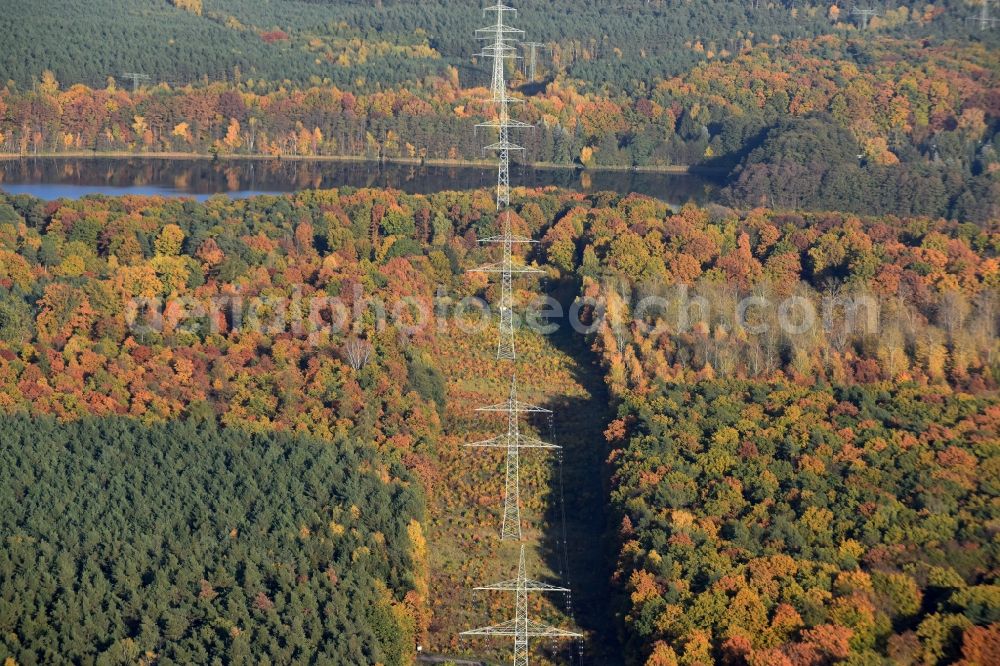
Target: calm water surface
(54,178)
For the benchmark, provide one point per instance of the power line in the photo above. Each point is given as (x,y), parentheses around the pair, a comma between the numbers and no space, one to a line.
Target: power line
(136,78)
(506,268)
(522,628)
(564,572)
(984,20)
(865,15)
(533,48)
(513,441)
(500,46)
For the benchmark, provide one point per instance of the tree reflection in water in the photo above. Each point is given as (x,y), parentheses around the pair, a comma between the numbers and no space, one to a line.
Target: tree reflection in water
(50,178)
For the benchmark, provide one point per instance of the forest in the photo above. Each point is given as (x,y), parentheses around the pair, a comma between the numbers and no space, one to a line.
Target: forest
(388,42)
(816,115)
(788,494)
(802,495)
(773,523)
(234,430)
(183,543)
(889,298)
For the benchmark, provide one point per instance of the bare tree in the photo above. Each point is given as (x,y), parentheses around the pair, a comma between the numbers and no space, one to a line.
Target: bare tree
(357,353)
(953,308)
(984,326)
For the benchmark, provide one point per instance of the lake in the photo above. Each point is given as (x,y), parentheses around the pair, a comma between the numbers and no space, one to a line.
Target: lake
(72,178)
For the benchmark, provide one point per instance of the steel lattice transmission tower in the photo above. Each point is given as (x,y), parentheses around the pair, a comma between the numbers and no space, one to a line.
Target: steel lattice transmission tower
(512,442)
(503,124)
(533,48)
(522,628)
(984,20)
(506,269)
(136,77)
(865,15)
(501,45)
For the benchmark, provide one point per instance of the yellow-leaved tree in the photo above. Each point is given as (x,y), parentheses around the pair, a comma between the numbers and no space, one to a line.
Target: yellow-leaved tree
(168,243)
(233,139)
(193,6)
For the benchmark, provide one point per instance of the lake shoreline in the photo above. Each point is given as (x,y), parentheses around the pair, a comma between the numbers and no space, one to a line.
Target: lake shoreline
(396,161)
(65,175)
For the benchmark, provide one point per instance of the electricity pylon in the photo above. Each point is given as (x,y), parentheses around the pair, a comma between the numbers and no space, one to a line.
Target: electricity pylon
(865,15)
(533,48)
(500,47)
(984,20)
(136,78)
(501,40)
(506,269)
(504,124)
(522,628)
(513,441)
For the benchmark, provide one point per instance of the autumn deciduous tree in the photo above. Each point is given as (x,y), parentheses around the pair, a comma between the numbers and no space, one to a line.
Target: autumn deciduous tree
(193,6)
(169,241)
(981,646)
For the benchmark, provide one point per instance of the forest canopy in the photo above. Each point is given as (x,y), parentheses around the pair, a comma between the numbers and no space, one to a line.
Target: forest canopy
(763,523)
(217,448)
(905,111)
(618,44)
(707,413)
(183,543)
(789,496)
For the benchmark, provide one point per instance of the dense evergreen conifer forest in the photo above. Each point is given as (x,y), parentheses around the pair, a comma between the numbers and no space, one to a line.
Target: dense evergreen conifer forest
(637,42)
(184,543)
